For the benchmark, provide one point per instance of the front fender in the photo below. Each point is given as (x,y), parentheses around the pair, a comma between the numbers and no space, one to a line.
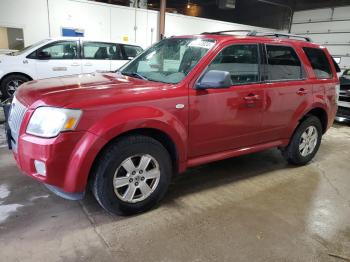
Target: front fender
(128,119)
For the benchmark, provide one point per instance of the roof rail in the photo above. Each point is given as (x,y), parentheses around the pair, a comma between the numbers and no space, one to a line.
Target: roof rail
(227,31)
(275,34)
(256,33)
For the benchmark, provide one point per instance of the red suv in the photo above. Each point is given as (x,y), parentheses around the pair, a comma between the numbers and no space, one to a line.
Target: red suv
(185,101)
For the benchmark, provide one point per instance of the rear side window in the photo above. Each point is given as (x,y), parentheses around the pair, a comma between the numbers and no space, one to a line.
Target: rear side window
(283,63)
(319,62)
(241,61)
(101,51)
(132,51)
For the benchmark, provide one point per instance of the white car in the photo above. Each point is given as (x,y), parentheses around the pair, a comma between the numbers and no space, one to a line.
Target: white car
(60,57)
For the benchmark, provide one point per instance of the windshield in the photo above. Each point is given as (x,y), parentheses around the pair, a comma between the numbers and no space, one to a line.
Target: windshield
(169,61)
(28,47)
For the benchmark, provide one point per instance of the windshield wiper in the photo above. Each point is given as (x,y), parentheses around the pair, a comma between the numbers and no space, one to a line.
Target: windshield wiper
(137,75)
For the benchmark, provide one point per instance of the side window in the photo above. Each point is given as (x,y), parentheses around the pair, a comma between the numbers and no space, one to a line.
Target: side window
(241,61)
(101,51)
(319,62)
(60,50)
(132,51)
(283,63)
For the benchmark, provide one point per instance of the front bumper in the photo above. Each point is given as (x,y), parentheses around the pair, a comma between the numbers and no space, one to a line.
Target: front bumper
(68,159)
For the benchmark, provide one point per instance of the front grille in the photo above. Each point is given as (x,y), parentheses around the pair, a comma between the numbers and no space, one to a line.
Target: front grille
(15,119)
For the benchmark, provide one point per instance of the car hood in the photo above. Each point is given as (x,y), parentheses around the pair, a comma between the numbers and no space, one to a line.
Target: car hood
(83,90)
(7,59)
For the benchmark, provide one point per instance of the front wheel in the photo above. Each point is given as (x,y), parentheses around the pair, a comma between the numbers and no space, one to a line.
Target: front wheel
(132,175)
(10,84)
(305,142)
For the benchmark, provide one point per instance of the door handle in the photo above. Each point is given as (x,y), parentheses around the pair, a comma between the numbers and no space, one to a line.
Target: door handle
(302,92)
(251,98)
(75,64)
(59,68)
(88,64)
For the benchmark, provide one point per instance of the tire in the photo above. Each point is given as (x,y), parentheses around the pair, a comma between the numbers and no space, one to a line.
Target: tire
(110,174)
(297,154)
(10,84)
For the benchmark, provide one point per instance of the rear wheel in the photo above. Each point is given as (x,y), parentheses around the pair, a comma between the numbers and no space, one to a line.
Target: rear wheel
(10,84)
(305,142)
(132,175)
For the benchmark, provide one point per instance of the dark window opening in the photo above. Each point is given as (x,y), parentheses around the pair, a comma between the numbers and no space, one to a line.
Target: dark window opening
(283,63)
(241,61)
(319,62)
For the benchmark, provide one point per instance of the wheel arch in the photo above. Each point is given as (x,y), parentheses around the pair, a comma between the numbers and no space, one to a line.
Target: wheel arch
(157,134)
(160,125)
(321,114)
(318,110)
(16,73)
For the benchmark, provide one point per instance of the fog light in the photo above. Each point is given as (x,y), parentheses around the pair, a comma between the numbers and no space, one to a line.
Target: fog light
(40,167)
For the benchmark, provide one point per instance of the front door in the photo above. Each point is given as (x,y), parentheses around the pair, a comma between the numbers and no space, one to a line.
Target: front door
(228,118)
(61,58)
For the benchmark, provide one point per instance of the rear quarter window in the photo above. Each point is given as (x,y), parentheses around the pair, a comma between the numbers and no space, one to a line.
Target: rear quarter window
(319,62)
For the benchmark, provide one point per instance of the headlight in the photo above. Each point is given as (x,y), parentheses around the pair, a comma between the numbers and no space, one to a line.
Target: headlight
(50,121)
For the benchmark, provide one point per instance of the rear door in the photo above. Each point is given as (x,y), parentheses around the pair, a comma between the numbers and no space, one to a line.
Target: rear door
(97,56)
(288,90)
(228,118)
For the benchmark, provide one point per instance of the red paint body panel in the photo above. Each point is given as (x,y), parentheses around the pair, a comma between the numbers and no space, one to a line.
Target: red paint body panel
(213,124)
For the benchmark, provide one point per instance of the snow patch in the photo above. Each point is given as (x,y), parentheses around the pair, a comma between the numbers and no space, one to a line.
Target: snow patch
(38,197)
(4,192)
(6,210)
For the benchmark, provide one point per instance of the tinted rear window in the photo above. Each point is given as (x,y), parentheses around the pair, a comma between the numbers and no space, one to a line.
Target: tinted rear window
(319,62)
(283,63)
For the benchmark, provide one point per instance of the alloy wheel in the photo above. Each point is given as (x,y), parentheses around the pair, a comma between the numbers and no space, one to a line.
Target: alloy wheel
(13,85)
(136,178)
(308,141)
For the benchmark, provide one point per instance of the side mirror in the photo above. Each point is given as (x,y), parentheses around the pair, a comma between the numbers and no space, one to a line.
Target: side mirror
(43,55)
(214,79)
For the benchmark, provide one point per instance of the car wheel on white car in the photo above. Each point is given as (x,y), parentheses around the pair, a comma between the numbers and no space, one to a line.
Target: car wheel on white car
(10,84)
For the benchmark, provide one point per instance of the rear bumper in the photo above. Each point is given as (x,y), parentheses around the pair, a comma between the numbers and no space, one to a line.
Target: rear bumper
(68,159)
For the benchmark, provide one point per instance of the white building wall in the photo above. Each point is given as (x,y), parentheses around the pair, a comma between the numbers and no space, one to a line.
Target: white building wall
(176,24)
(29,15)
(329,27)
(101,21)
